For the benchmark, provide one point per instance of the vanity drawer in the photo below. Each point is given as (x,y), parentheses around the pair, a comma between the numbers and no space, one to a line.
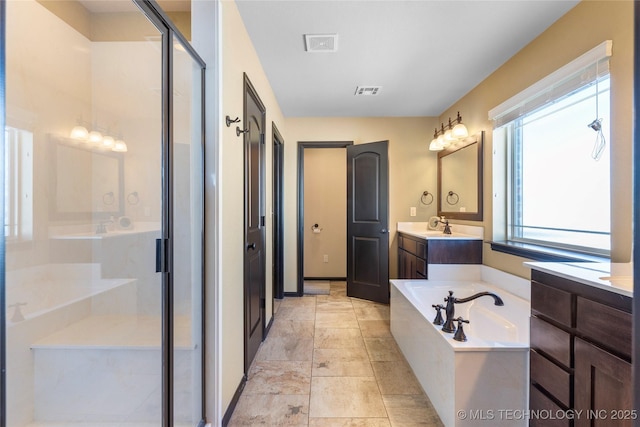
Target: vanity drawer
(552,303)
(551,377)
(551,340)
(408,245)
(541,403)
(605,325)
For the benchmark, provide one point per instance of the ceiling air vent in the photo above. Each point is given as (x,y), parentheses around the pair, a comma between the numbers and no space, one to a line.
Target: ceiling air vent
(367,90)
(321,42)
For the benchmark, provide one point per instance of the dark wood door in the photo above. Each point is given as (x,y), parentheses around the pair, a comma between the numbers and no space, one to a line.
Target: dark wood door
(368,221)
(602,387)
(254,242)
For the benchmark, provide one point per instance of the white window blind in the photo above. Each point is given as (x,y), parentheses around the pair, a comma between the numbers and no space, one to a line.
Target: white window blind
(581,71)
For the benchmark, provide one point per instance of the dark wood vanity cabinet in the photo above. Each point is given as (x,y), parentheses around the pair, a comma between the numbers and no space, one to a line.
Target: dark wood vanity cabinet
(414,254)
(412,257)
(580,356)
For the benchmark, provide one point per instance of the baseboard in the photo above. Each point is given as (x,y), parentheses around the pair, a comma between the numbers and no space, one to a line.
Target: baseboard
(234,401)
(292,294)
(330,279)
(268,328)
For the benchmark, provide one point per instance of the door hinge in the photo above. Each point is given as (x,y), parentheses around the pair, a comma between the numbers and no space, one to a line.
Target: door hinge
(263,303)
(262,138)
(162,256)
(262,221)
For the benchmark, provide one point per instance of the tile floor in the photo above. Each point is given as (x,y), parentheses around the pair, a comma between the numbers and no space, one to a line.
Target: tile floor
(330,361)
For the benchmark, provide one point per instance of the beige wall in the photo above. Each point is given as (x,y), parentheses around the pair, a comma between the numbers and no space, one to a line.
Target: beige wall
(412,169)
(325,204)
(238,57)
(582,28)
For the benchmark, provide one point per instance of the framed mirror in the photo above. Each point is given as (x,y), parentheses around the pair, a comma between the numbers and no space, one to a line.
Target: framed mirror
(84,182)
(460,179)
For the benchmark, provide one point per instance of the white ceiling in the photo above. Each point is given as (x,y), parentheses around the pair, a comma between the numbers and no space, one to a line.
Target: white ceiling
(426,54)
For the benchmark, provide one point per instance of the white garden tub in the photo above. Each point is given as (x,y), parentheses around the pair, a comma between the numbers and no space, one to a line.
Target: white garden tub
(480,382)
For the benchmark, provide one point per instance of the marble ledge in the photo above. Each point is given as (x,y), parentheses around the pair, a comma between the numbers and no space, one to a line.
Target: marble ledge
(613,277)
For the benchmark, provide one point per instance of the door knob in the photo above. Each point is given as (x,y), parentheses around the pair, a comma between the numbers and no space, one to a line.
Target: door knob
(384,231)
(251,246)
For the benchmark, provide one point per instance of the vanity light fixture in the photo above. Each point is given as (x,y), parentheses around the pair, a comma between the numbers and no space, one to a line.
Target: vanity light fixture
(96,139)
(443,138)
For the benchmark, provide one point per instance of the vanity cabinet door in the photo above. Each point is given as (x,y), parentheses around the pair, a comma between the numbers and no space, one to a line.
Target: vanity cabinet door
(406,265)
(602,387)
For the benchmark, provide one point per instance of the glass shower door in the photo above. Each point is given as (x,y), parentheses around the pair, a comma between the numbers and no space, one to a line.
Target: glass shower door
(84,177)
(188,210)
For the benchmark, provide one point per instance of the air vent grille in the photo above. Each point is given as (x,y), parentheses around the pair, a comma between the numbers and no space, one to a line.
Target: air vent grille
(321,42)
(367,90)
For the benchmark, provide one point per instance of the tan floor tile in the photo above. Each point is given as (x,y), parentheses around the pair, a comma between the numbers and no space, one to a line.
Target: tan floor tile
(333,304)
(349,422)
(372,312)
(345,397)
(338,338)
(374,328)
(383,349)
(341,362)
(411,411)
(306,300)
(336,319)
(292,328)
(278,377)
(338,296)
(300,312)
(286,348)
(396,377)
(271,410)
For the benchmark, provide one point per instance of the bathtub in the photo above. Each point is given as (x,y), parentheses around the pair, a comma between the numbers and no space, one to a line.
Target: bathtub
(480,382)
(42,300)
(36,291)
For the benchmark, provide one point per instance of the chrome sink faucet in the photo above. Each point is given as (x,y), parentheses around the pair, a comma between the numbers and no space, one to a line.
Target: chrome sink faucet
(450,310)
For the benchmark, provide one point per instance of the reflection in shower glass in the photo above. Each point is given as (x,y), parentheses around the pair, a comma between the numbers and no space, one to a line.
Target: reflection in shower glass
(83,298)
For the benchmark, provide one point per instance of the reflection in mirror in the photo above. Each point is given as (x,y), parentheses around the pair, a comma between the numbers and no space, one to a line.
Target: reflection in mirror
(85,183)
(460,179)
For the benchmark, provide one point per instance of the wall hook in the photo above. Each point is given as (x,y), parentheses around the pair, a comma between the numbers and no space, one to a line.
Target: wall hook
(239,131)
(229,120)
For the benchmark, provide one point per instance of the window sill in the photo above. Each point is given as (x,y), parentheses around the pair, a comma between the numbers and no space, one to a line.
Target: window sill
(544,253)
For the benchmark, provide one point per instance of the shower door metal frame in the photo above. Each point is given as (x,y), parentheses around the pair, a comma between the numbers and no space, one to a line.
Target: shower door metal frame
(3,302)
(165,250)
(169,31)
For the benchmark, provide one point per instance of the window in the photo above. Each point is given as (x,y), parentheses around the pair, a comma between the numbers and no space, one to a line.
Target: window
(557,188)
(18,167)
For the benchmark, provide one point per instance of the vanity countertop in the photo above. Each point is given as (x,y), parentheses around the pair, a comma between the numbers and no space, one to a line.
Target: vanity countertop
(613,277)
(421,230)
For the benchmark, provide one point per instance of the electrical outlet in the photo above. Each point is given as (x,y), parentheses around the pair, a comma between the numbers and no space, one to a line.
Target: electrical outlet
(326,258)
(412,211)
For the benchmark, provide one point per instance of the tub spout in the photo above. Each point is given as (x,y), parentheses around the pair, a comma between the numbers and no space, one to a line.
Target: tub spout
(450,310)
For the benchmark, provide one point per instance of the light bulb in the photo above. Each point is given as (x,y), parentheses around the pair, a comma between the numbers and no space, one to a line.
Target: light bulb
(434,145)
(108,142)
(119,146)
(95,137)
(80,133)
(460,131)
